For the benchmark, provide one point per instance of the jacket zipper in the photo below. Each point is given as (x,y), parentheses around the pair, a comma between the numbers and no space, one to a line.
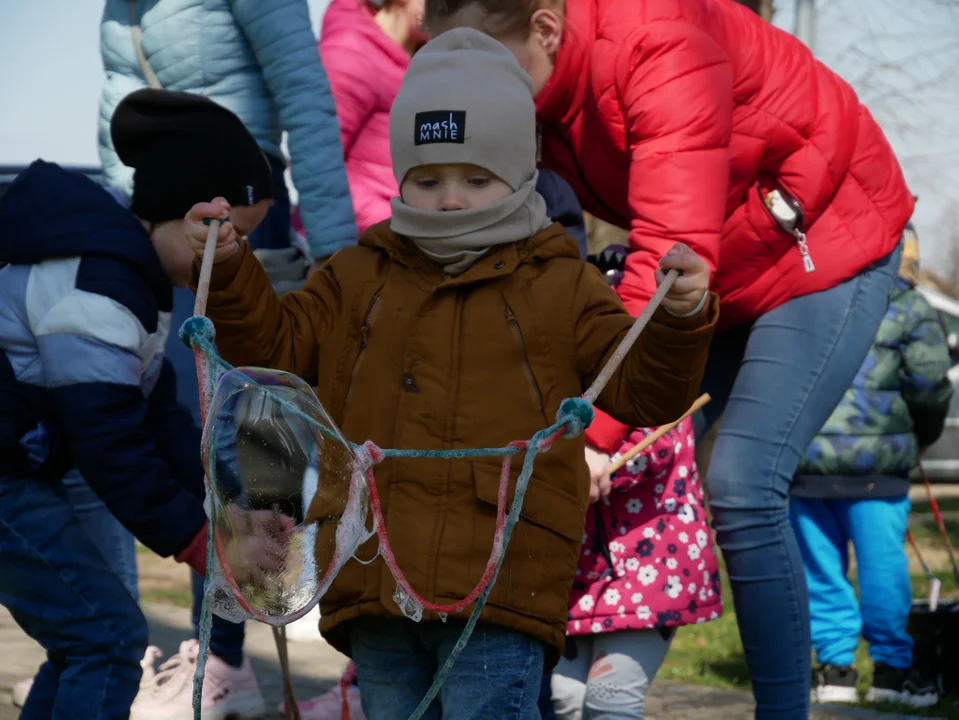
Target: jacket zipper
(364,339)
(534,390)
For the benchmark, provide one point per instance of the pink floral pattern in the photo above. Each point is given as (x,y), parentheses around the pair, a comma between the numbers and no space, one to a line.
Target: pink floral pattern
(664,571)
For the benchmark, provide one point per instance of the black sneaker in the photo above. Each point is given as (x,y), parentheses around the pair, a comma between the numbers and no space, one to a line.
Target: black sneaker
(902,685)
(835,684)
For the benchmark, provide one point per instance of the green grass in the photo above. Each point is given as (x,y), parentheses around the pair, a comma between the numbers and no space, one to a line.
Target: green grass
(945,504)
(927,532)
(166,596)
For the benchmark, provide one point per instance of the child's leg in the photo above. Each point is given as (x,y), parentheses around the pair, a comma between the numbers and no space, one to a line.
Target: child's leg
(226,638)
(624,665)
(498,674)
(60,590)
(877,529)
(394,668)
(833,610)
(569,678)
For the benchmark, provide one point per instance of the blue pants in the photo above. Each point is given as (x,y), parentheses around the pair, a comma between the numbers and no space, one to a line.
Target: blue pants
(498,675)
(274,232)
(63,593)
(775,383)
(115,542)
(877,530)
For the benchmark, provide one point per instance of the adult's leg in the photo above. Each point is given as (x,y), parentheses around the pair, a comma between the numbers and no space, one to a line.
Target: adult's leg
(833,610)
(393,667)
(115,542)
(624,665)
(59,589)
(878,532)
(569,678)
(498,674)
(799,360)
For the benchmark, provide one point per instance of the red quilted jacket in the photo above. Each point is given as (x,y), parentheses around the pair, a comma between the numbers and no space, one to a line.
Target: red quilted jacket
(667,116)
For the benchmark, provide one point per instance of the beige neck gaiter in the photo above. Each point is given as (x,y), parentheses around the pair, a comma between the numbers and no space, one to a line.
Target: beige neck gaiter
(457,238)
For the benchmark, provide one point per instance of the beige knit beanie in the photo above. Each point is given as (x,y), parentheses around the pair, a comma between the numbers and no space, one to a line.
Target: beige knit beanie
(465,99)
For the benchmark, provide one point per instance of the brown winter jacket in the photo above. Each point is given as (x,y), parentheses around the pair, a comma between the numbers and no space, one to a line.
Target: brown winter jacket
(410,358)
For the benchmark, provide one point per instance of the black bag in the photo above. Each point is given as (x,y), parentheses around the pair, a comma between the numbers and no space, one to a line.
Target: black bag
(936,650)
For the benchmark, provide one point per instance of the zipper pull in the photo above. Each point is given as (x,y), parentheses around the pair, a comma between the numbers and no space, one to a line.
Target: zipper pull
(807,262)
(508,311)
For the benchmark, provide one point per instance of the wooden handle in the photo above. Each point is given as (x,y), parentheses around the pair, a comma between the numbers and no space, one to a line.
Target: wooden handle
(660,431)
(206,269)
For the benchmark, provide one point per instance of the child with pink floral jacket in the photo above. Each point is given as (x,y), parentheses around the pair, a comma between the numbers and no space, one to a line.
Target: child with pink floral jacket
(647,567)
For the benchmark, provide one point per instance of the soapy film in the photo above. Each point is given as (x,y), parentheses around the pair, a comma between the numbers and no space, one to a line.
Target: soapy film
(289,503)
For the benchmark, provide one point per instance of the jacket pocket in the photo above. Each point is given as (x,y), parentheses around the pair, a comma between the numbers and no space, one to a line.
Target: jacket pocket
(535,392)
(541,557)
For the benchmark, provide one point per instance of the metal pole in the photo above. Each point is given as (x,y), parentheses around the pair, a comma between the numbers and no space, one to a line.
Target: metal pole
(806,22)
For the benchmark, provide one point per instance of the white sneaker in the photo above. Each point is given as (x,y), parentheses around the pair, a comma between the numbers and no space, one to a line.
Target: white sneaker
(22,688)
(306,629)
(228,692)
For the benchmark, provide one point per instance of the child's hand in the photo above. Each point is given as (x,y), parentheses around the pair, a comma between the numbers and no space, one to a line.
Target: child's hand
(689,288)
(196,231)
(259,545)
(599,479)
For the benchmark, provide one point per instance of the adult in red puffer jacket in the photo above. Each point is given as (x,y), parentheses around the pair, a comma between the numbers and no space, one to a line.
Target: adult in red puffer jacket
(674,119)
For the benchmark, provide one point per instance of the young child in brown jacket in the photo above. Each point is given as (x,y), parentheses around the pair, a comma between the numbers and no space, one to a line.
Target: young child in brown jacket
(462,322)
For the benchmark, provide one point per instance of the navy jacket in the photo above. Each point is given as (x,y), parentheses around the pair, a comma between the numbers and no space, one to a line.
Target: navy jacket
(84,316)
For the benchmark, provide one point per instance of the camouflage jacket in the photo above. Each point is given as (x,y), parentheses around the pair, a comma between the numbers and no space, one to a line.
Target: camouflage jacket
(897,404)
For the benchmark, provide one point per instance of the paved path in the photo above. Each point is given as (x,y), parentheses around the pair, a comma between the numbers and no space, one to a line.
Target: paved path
(316,667)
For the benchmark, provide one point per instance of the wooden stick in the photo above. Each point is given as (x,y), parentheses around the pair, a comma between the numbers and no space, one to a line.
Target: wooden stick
(653,437)
(291,709)
(206,269)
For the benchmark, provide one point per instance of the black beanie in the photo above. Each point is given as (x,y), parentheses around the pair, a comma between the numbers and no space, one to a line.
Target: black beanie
(186,149)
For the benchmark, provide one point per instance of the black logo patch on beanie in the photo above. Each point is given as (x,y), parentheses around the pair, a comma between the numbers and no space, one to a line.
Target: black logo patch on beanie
(440,126)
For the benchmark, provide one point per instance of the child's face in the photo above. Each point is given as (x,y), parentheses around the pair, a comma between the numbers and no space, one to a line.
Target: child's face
(452,186)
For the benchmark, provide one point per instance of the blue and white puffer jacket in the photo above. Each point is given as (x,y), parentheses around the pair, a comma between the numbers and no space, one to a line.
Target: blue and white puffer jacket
(259,59)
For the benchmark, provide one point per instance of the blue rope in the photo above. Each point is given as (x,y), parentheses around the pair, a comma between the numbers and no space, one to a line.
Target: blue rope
(574,416)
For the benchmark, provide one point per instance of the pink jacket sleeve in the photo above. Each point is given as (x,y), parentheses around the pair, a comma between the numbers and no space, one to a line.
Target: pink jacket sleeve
(348,71)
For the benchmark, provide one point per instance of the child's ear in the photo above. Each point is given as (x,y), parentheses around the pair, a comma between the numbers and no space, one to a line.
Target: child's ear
(546,25)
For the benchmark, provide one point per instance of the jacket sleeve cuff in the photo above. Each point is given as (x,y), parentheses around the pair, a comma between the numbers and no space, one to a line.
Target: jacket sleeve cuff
(194,554)
(605,433)
(225,272)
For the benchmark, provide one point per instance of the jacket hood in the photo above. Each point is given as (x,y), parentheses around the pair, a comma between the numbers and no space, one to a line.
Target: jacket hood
(548,243)
(49,212)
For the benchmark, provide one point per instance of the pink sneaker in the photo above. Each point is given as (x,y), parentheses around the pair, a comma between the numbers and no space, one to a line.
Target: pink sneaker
(228,692)
(22,688)
(329,706)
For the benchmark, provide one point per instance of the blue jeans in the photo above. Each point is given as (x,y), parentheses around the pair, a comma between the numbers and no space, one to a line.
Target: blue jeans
(60,590)
(877,530)
(498,675)
(114,541)
(775,383)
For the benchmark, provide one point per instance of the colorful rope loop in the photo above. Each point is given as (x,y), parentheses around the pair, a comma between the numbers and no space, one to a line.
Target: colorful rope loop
(197,330)
(575,414)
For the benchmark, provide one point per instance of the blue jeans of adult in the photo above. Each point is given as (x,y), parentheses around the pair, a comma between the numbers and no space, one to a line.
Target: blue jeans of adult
(775,383)
(877,530)
(63,593)
(498,675)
